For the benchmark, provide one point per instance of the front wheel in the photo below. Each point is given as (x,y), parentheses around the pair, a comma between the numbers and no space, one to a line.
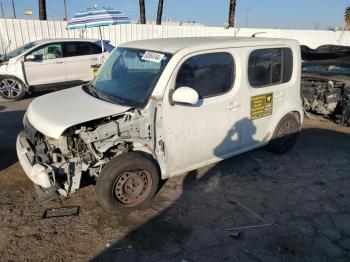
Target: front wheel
(285,135)
(11,88)
(127,182)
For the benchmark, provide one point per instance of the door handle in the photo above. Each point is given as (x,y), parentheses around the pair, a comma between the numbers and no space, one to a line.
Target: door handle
(59,62)
(279,95)
(233,106)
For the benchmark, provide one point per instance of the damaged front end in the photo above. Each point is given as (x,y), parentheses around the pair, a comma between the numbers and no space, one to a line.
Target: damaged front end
(327,96)
(325,85)
(77,157)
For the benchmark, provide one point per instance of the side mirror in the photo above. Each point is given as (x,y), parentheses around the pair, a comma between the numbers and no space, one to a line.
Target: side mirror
(184,95)
(30,58)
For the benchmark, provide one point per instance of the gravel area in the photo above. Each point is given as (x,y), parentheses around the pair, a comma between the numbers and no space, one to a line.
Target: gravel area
(304,196)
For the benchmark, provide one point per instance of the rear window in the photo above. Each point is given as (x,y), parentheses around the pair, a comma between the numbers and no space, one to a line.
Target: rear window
(270,66)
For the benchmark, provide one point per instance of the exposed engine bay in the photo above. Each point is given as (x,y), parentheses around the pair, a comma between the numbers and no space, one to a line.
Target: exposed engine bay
(82,151)
(325,84)
(327,97)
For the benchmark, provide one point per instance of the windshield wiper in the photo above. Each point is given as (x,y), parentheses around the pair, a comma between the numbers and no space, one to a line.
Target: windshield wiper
(89,88)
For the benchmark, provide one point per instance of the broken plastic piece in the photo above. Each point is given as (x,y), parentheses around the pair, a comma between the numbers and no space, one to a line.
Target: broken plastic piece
(61,212)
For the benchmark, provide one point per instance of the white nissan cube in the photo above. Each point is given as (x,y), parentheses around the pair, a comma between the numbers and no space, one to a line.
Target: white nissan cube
(160,108)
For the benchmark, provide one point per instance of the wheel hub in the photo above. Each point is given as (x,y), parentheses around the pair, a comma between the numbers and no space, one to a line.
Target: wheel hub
(285,133)
(132,187)
(10,88)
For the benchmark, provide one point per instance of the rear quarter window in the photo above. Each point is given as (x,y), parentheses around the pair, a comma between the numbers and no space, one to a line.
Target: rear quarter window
(81,49)
(270,66)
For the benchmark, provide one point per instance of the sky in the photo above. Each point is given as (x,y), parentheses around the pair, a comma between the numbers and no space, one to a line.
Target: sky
(296,14)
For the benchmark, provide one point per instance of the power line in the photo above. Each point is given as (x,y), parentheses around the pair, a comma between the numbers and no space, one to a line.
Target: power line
(65,10)
(246,16)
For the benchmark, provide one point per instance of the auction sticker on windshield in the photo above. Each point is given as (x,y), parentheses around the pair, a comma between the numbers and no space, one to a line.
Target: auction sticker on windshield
(153,57)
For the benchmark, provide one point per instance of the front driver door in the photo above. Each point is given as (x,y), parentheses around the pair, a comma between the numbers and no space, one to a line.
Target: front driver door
(211,129)
(47,67)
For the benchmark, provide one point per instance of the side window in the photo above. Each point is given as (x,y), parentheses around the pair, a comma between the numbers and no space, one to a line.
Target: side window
(94,49)
(81,49)
(209,74)
(50,51)
(270,66)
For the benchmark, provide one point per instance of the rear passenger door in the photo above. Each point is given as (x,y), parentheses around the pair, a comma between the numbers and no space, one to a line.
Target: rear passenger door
(80,56)
(268,72)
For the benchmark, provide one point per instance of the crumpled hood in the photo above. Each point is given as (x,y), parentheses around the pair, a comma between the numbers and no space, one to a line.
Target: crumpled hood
(53,113)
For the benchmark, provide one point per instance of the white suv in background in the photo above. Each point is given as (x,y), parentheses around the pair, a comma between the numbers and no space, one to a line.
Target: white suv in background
(47,64)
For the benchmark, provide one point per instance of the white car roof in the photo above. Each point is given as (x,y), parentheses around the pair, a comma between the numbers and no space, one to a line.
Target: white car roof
(43,41)
(173,45)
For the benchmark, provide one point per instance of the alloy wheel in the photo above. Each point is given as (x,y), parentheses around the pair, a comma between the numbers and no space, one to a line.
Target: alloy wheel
(10,88)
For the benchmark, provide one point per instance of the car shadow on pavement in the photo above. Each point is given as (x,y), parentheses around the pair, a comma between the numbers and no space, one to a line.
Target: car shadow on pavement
(10,125)
(303,194)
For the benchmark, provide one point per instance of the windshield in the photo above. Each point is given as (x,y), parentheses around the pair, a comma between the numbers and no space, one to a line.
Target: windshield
(19,50)
(129,76)
(327,69)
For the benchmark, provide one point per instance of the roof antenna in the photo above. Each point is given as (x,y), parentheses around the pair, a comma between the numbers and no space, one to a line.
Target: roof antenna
(253,35)
(237,29)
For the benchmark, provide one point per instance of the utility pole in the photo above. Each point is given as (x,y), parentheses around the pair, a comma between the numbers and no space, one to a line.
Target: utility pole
(2,10)
(65,10)
(14,10)
(246,16)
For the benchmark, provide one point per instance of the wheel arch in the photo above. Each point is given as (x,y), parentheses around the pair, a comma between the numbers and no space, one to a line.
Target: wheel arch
(15,77)
(148,155)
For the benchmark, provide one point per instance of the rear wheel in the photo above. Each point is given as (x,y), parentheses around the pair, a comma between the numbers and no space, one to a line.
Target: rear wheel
(285,135)
(127,182)
(11,88)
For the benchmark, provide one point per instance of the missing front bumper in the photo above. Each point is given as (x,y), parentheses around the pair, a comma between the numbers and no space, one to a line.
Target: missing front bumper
(37,173)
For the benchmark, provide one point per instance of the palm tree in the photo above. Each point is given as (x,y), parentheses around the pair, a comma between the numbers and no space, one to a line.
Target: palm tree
(42,10)
(231,17)
(142,12)
(160,12)
(347,18)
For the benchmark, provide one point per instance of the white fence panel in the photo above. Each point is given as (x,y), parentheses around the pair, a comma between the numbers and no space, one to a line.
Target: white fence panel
(16,32)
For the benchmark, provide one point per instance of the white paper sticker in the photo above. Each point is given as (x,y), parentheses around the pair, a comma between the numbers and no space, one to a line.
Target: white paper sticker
(152,57)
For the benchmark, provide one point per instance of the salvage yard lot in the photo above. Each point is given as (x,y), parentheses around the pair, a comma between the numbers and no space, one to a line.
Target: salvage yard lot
(305,194)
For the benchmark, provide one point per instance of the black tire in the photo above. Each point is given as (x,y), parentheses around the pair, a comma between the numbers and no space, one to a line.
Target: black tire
(127,182)
(285,135)
(11,88)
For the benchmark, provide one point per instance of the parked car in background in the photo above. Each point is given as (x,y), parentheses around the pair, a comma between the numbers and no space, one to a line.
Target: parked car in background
(48,64)
(160,108)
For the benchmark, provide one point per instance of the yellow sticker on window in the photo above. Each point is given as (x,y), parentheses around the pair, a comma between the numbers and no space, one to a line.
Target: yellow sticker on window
(261,106)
